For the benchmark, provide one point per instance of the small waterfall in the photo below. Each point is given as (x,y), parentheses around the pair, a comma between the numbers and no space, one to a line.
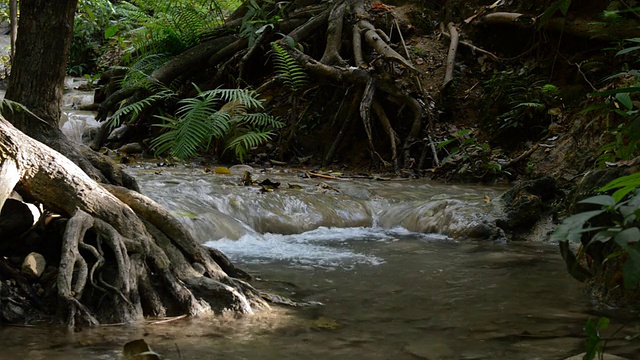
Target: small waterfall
(217,206)
(79,126)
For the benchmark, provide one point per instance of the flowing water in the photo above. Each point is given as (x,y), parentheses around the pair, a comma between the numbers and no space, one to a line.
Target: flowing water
(386,261)
(390,265)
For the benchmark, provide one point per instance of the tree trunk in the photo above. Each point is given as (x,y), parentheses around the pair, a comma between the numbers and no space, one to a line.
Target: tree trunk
(136,259)
(37,80)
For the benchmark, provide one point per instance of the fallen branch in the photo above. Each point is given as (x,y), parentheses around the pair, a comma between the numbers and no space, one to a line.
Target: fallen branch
(451,56)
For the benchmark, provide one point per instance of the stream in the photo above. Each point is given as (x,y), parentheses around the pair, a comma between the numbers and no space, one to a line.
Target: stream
(390,265)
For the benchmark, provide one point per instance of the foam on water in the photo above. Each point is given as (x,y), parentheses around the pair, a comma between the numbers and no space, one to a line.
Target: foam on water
(323,247)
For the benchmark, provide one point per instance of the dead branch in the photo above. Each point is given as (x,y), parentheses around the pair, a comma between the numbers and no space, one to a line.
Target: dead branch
(509,18)
(451,56)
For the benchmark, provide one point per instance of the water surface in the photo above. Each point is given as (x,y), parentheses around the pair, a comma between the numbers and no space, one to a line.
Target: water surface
(386,290)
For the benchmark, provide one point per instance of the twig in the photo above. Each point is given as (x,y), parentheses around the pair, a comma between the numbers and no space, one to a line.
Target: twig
(404,45)
(433,150)
(164,321)
(310,175)
(579,66)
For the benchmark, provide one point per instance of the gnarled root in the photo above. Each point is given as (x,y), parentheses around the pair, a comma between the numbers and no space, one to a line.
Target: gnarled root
(122,257)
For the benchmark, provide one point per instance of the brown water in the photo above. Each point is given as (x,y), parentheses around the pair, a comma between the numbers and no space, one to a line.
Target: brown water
(386,292)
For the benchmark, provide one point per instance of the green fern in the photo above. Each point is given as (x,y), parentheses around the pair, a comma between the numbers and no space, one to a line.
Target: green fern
(215,114)
(247,140)
(291,73)
(132,111)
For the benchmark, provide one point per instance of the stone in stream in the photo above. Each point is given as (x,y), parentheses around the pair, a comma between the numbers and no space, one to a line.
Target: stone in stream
(132,148)
(525,204)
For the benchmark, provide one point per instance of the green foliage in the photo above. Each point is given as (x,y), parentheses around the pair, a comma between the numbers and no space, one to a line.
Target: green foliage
(133,110)
(143,27)
(469,155)
(618,103)
(219,114)
(560,5)
(595,343)
(261,18)
(288,69)
(618,223)
(522,102)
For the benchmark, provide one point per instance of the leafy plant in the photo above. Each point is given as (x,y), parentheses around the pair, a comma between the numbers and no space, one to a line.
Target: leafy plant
(470,155)
(618,221)
(595,343)
(521,101)
(560,5)
(292,74)
(133,110)
(618,102)
(224,114)
(259,19)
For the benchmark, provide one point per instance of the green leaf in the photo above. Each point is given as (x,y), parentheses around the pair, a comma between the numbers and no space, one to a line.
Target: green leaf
(572,227)
(444,143)
(604,200)
(631,89)
(625,100)
(631,274)
(624,184)
(604,236)
(111,31)
(626,236)
(627,50)
(562,5)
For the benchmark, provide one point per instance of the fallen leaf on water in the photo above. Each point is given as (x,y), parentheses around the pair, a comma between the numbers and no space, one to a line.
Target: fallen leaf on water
(325,323)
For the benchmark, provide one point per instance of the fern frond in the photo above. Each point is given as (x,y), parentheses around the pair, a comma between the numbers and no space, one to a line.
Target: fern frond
(242,143)
(262,120)
(134,109)
(248,98)
(532,105)
(291,73)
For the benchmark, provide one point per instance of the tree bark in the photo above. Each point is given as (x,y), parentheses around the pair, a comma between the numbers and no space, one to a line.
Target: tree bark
(37,77)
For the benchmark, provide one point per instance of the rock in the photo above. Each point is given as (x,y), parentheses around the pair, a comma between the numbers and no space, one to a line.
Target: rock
(525,203)
(13,313)
(118,133)
(605,357)
(132,148)
(240,169)
(33,265)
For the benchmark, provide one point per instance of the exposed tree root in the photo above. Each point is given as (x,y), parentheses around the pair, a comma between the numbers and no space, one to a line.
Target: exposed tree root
(374,61)
(124,250)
